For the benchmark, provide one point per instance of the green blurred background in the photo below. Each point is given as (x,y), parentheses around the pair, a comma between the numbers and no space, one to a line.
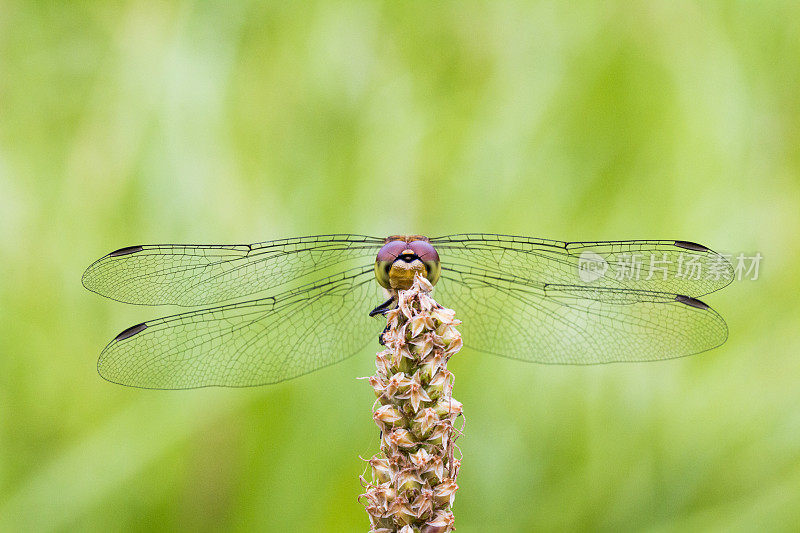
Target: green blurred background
(147,122)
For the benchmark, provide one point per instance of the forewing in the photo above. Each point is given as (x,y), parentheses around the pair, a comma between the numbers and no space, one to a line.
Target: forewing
(183,274)
(250,343)
(569,324)
(678,267)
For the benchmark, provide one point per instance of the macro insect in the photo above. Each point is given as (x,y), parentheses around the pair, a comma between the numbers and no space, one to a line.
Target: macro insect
(530,299)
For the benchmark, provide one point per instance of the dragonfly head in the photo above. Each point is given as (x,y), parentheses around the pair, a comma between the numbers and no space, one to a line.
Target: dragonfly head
(403,256)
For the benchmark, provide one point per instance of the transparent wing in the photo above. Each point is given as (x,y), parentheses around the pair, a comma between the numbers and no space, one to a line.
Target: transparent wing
(184,274)
(572,324)
(679,267)
(250,343)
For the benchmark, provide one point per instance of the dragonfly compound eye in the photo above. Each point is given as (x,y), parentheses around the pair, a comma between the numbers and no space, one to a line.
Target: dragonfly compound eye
(383,262)
(429,257)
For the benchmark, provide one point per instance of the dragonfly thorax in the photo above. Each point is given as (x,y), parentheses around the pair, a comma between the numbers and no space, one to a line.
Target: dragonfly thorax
(404,256)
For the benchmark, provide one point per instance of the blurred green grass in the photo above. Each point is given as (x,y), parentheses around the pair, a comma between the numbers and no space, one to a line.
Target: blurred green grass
(141,122)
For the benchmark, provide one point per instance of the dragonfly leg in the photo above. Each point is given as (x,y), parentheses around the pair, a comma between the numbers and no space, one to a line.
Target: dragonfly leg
(383,308)
(380,337)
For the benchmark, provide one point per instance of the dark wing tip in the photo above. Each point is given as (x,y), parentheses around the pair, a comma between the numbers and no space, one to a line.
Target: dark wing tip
(688,245)
(688,300)
(125,251)
(131,331)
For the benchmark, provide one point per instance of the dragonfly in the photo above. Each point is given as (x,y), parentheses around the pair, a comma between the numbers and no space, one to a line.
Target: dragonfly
(306,303)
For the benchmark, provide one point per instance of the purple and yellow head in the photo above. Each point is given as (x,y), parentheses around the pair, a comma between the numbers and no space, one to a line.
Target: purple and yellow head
(401,257)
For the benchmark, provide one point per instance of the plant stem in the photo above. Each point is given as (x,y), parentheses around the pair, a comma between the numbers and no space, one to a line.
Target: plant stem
(413,481)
